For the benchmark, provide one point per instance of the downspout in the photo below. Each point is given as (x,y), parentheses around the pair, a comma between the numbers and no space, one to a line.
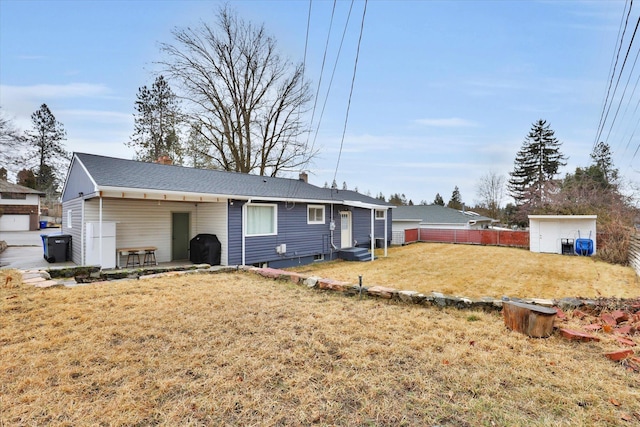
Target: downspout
(100,239)
(83,261)
(332,227)
(373,234)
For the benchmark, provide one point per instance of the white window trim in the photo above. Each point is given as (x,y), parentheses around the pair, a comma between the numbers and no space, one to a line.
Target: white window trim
(275,219)
(309,207)
(69,218)
(384,214)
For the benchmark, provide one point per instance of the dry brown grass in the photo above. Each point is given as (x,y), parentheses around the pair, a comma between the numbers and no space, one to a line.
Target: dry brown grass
(237,349)
(476,271)
(10,278)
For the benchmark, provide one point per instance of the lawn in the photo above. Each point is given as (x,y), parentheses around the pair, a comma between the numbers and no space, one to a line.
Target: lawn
(238,349)
(477,271)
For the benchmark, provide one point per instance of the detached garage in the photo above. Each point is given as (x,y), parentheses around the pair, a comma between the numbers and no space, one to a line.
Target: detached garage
(19,207)
(555,234)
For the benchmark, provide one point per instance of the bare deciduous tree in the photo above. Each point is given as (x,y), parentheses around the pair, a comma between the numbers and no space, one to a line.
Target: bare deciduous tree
(9,143)
(490,192)
(245,100)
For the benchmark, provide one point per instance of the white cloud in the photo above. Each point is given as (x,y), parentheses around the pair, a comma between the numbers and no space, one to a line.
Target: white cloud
(97,116)
(46,91)
(451,122)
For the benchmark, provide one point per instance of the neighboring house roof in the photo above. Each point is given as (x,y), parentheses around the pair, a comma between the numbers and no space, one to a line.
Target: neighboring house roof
(111,173)
(8,187)
(436,214)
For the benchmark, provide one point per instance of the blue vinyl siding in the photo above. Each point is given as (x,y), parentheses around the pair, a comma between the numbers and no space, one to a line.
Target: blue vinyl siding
(303,240)
(235,232)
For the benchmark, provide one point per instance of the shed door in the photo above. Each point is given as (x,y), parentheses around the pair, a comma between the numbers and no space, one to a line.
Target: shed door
(345,230)
(550,237)
(179,236)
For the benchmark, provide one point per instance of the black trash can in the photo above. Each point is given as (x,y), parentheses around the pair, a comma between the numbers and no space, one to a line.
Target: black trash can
(57,247)
(205,248)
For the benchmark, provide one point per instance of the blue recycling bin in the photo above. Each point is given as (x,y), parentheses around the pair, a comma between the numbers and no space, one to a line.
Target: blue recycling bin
(43,224)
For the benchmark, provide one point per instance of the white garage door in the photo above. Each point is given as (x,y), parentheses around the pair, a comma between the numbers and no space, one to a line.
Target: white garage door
(14,223)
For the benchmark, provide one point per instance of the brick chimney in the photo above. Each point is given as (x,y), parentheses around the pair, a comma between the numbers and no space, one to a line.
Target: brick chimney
(304,177)
(164,160)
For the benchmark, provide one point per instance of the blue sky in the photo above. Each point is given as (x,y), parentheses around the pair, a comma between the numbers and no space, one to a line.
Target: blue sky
(445,90)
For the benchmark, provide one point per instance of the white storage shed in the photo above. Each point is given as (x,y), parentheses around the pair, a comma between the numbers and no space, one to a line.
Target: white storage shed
(554,233)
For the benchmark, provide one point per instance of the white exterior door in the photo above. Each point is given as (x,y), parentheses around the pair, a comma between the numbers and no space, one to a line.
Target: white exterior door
(345,230)
(549,237)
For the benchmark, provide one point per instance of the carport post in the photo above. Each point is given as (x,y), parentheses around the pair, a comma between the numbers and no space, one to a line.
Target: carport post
(373,234)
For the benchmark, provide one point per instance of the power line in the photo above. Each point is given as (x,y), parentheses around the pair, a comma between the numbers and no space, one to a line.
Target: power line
(603,116)
(333,73)
(353,80)
(624,91)
(324,58)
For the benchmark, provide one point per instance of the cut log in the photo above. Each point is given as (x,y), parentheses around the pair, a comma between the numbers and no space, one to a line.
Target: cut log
(529,319)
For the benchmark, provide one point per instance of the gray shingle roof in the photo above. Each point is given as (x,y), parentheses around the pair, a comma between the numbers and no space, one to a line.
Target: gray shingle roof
(435,214)
(114,172)
(9,187)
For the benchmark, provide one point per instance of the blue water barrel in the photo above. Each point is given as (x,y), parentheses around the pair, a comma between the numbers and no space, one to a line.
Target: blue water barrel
(584,247)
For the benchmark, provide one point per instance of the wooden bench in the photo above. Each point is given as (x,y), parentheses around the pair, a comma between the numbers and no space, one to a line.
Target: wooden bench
(530,319)
(133,256)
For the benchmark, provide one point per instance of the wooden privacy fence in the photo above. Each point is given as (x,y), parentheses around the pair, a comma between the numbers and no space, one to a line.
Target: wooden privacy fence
(518,239)
(634,253)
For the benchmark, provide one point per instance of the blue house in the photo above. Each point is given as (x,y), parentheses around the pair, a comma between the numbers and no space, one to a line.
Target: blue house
(110,205)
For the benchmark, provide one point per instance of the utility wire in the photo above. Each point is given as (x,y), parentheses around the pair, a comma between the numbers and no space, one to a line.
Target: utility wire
(353,80)
(603,117)
(333,73)
(624,91)
(324,58)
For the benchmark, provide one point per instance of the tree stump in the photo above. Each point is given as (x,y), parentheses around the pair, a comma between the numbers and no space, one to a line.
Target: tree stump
(532,320)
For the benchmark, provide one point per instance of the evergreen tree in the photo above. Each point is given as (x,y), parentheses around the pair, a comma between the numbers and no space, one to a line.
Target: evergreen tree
(536,165)
(380,196)
(157,121)
(398,199)
(26,178)
(601,157)
(456,199)
(438,200)
(45,150)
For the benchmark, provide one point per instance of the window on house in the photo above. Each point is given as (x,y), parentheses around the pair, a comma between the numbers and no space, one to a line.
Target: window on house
(262,220)
(315,214)
(69,218)
(381,214)
(14,196)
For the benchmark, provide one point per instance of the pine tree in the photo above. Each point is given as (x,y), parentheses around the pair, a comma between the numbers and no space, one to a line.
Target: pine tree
(601,157)
(456,199)
(536,165)
(438,200)
(157,121)
(45,150)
